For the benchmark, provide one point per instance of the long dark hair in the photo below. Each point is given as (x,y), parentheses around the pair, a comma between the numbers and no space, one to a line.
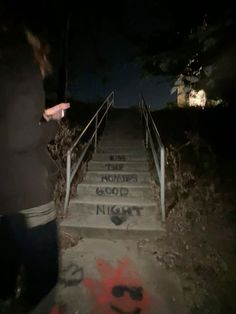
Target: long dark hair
(12,35)
(41,50)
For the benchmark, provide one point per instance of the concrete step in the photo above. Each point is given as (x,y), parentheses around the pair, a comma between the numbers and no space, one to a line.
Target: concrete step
(118,166)
(118,177)
(124,121)
(113,205)
(115,189)
(104,226)
(110,200)
(119,157)
(131,143)
(134,138)
(120,140)
(120,149)
(126,134)
(122,137)
(121,128)
(127,121)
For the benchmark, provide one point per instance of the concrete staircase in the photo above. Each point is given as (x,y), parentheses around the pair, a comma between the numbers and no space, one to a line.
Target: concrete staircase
(117,197)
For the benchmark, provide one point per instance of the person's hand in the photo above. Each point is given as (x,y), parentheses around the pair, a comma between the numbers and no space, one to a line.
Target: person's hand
(56,112)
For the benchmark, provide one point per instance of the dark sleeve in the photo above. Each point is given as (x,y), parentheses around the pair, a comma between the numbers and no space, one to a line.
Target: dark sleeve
(25,105)
(24,130)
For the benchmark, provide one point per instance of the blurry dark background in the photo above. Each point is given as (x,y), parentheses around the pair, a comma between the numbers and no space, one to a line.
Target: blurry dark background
(131,47)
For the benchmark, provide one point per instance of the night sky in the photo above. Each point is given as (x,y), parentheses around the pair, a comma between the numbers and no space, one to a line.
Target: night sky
(103,35)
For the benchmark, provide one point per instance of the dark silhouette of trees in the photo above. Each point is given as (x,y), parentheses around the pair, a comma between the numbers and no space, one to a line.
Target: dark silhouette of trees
(197,41)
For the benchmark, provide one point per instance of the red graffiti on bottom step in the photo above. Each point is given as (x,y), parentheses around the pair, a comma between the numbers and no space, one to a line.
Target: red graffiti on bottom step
(119,290)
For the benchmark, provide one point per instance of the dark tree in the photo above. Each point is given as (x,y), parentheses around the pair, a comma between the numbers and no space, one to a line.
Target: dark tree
(197,41)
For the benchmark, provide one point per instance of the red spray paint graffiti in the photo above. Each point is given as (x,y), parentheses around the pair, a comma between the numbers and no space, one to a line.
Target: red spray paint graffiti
(119,290)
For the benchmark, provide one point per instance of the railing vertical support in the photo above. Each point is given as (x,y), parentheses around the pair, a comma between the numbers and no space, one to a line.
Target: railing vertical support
(162,189)
(108,105)
(96,134)
(146,131)
(68,179)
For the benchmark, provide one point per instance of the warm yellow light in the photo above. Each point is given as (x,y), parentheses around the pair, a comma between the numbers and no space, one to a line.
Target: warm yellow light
(197,98)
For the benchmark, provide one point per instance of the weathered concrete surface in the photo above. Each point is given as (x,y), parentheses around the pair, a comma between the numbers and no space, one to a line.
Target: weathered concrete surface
(118,165)
(109,277)
(118,176)
(120,142)
(116,189)
(118,157)
(117,197)
(102,275)
(121,150)
(114,227)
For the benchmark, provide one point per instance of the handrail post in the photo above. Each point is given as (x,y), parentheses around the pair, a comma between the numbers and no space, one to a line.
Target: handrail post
(96,134)
(108,104)
(68,173)
(162,190)
(142,113)
(146,130)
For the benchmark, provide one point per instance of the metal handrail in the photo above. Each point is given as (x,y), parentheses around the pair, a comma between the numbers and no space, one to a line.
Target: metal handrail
(158,157)
(71,171)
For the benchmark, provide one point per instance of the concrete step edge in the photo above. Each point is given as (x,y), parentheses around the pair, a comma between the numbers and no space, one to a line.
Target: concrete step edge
(116,184)
(144,153)
(122,141)
(126,162)
(138,147)
(148,223)
(113,200)
(118,172)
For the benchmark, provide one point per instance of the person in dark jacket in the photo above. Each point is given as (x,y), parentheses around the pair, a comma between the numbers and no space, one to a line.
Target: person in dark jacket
(28,228)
